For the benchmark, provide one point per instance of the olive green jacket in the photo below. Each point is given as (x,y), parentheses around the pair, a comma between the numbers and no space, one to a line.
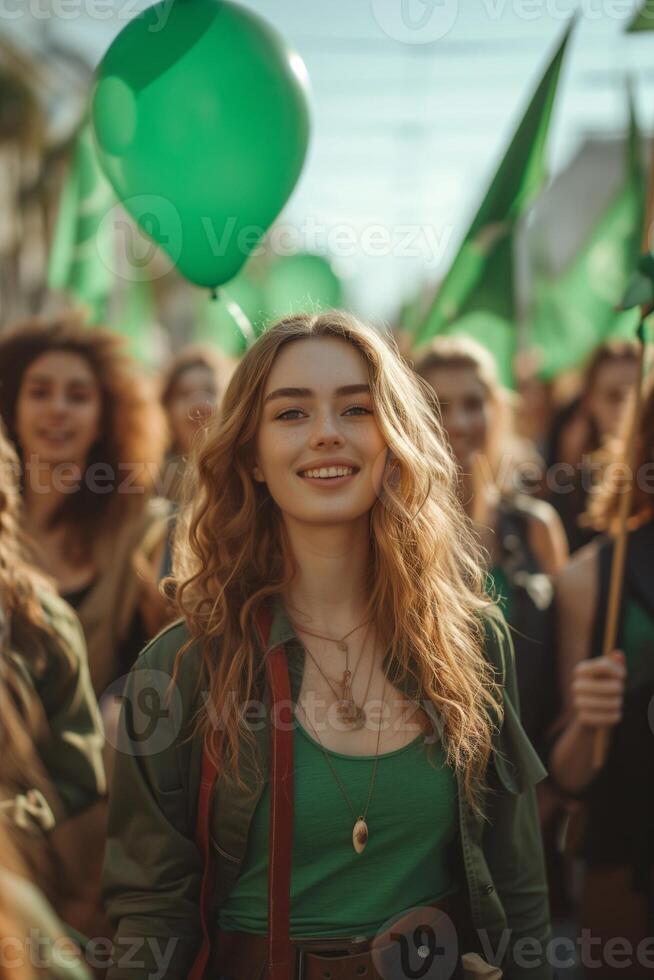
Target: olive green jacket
(153,869)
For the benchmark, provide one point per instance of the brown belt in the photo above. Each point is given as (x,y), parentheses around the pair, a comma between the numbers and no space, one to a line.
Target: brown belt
(243,956)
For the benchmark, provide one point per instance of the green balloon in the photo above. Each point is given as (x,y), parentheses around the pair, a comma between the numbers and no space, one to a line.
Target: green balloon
(201,120)
(301,283)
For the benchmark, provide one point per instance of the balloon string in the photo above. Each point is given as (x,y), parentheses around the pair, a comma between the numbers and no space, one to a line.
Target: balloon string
(214,294)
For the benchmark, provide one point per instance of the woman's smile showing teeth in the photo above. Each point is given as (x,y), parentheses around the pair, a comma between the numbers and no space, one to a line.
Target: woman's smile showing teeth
(329,474)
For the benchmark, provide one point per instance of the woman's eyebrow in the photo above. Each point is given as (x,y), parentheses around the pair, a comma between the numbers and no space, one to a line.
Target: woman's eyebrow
(309,393)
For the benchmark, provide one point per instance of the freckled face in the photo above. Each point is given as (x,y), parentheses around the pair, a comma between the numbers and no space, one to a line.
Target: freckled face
(318,447)
(59,408)
(193,399)
(465,411)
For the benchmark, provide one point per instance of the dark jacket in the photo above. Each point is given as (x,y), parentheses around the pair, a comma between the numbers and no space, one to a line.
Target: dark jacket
(153,869)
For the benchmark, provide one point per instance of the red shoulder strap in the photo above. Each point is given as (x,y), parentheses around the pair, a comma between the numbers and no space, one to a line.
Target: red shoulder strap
(207,783)
(280,850)
(280,953)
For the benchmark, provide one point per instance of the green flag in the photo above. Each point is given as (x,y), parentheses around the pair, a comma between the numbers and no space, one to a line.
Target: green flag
(75,264)
(644,18)
(480,279)
(577,311)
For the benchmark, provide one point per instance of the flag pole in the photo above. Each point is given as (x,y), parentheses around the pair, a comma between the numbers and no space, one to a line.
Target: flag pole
(601,742)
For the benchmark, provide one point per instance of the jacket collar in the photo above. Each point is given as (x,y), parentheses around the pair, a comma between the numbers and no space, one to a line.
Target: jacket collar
(282,631)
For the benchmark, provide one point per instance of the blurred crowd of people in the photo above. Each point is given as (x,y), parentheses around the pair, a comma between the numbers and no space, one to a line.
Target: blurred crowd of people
(93,455)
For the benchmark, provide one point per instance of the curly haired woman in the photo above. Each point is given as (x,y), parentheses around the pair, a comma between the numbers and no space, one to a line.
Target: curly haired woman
(90,438)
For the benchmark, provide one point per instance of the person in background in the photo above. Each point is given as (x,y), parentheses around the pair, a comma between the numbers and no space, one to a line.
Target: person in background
(192,385)
(582,430)
(52,780)
(613,693)
(523,541)
(535,402)
(522,537)
(90,438)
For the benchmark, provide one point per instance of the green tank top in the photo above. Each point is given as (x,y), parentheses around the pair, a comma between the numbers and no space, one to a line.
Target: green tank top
(412,821)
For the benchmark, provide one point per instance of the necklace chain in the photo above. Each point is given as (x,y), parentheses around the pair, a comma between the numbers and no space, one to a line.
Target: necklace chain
(332,639)
(337,777)
(357,718)
(360,715)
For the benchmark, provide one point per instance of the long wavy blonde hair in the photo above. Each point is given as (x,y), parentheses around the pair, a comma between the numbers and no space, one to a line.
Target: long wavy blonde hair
(426,587)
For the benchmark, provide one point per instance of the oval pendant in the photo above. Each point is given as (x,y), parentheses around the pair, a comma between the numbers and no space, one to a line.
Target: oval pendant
(360,835)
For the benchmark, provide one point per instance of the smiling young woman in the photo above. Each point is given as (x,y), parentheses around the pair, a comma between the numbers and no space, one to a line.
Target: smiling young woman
(341,752)
(89,440)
